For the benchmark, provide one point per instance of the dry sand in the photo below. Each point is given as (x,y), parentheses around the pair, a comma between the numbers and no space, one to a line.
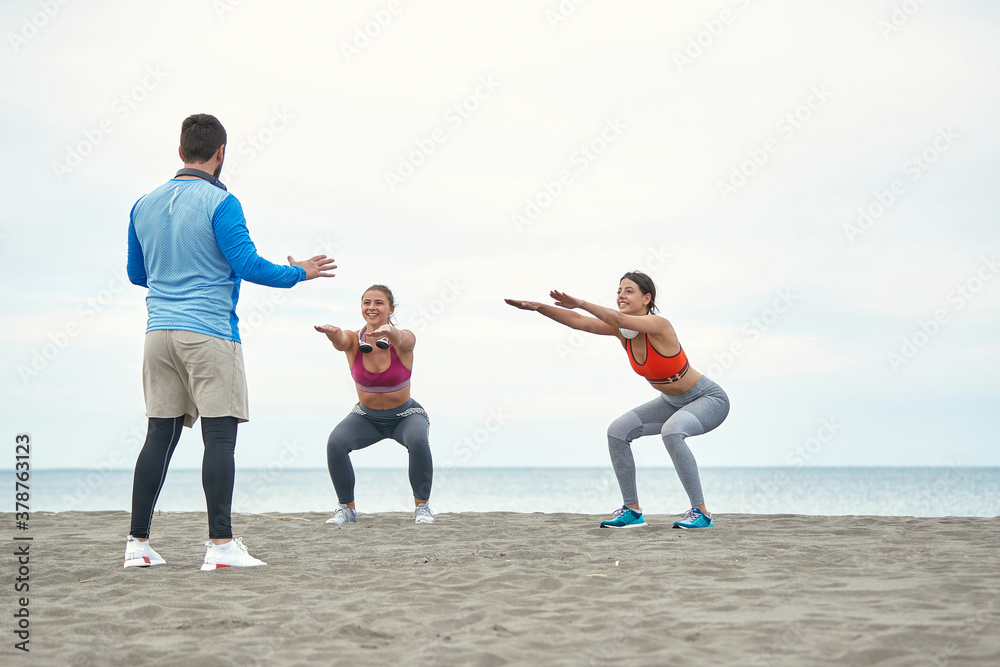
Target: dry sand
(517,589)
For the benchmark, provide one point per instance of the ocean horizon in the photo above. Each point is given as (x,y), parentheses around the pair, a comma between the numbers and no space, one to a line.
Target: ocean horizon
(878,491)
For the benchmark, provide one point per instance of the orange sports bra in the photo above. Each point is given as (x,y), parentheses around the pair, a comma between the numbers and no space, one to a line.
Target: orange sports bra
(658,368)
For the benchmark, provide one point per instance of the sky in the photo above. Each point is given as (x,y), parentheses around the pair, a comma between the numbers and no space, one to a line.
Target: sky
(812,186)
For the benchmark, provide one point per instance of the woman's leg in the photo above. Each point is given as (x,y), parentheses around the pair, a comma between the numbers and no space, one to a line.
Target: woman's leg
(354,432)
(646,419)
(413,432)
(162,435)
(699,416)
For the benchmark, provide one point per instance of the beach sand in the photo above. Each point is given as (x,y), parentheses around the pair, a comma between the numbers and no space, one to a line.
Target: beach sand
(515,589)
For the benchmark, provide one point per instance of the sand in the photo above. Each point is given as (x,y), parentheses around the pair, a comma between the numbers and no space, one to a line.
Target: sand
(516,589)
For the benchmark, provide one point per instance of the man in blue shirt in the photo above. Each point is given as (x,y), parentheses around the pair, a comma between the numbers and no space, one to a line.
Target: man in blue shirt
(188,244)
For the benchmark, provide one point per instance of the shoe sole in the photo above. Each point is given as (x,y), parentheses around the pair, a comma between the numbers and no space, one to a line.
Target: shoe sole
(207,567)
(145,561)
(677,525)
(425,521)
(628,525)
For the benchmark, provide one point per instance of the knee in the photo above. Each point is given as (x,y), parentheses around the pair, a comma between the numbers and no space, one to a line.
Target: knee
(418,443)
(672,439)
(414,434)
(621,430)
(336,446)
(681,425)
(672,428)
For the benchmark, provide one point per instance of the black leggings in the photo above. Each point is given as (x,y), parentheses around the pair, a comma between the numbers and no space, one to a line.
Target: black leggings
(218,470)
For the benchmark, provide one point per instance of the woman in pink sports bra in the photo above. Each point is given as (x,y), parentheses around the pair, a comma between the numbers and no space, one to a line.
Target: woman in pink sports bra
(380,357)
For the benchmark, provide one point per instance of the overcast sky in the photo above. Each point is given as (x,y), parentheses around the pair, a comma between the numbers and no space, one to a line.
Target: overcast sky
(813,186)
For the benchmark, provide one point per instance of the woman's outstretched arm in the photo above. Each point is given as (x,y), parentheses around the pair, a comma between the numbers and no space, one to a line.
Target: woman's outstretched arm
(341,339)
(567,317)
(401,339)
(647,324)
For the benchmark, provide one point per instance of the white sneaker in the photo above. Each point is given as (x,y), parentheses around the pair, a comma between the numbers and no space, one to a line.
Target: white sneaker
(140,554)
(343,514)
(423,514)
(230,554)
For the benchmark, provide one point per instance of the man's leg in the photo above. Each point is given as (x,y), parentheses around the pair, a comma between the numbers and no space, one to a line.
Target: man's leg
(218,472)
(151,469)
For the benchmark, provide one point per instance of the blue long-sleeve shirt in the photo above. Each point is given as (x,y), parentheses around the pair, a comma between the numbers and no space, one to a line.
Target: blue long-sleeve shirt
(188,244)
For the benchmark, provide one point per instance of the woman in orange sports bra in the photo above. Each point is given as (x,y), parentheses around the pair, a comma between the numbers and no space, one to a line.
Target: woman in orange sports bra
(688,403)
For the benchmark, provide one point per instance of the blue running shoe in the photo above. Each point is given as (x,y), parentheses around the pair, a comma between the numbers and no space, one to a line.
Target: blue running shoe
(693,518)
(626,517)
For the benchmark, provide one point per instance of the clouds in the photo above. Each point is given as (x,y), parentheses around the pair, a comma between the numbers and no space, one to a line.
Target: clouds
(838,106)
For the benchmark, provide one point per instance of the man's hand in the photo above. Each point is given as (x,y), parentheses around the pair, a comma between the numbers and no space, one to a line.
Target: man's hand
(316,267)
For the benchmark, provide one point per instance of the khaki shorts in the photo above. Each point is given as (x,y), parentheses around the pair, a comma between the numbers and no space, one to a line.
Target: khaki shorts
(189,373)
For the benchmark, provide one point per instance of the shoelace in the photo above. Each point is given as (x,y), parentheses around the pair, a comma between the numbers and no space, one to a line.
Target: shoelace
(618,512)
(691,514)
(238,541)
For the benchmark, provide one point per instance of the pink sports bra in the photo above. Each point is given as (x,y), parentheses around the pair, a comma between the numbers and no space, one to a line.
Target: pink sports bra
(394,378)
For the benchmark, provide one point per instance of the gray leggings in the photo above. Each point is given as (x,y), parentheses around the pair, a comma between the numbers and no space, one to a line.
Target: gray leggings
(408,425)
(698,410)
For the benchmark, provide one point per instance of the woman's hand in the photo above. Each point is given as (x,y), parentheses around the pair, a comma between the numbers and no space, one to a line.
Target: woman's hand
(402,339)
(342,340)
(565,300)
(328,329)
(523,305)
(382,332)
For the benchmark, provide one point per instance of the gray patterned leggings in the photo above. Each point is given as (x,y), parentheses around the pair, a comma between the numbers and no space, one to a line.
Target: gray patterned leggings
(696,411)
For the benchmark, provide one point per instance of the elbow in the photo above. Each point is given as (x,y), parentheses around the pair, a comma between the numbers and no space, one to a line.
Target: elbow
(616,319)
(137,278)
(407,341)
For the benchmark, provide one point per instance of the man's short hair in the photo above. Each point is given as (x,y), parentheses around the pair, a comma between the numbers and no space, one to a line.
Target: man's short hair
(201,136)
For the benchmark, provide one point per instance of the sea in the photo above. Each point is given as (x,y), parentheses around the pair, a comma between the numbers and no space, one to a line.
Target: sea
(878,491)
